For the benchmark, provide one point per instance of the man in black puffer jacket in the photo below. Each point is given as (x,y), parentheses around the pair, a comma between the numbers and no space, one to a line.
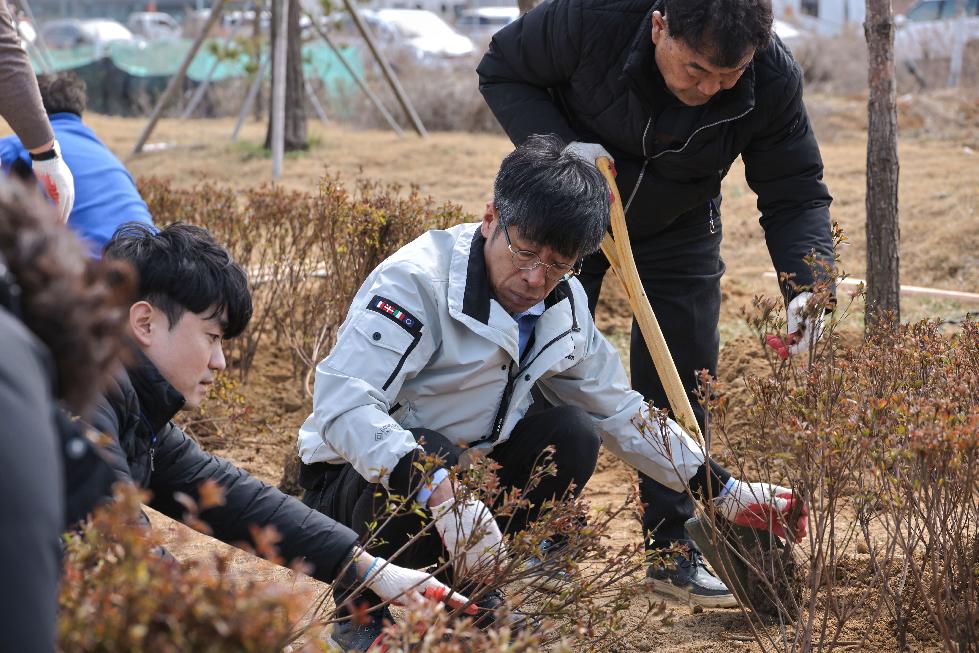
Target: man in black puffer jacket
(192,295)
(674,91)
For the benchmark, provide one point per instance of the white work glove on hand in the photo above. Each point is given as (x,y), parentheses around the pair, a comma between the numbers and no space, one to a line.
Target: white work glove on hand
(400,586)
(469,533)
(803,332)
(57,179)
(809,329)
(761,505)
(590,152)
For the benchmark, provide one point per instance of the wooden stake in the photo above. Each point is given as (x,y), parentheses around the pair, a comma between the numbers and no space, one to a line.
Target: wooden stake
(178,78)
(246,106)
(376,101)
(399,92)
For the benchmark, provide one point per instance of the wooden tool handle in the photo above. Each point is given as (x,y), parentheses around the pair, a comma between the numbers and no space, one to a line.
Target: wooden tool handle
(618,250)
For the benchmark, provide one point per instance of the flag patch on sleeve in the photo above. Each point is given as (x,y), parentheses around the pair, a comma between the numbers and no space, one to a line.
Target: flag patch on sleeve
(396,314)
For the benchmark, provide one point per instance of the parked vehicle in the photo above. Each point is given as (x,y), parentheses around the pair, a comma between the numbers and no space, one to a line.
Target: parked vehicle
(483,22)
(153,25)
(790,35)
(930,29)
(73,33)
(423,32)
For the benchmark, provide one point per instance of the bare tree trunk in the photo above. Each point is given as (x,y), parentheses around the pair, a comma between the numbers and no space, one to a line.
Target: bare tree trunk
(526,5)
(883,229)
(295,128)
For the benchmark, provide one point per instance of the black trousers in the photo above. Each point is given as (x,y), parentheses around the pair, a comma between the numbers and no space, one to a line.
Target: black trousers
(340,492)
(680,269)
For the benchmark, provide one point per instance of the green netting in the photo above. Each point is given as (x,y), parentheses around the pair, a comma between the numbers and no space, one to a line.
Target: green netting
(163,58)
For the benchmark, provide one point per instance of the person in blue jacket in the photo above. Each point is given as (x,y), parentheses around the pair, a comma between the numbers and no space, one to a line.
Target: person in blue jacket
(105,193)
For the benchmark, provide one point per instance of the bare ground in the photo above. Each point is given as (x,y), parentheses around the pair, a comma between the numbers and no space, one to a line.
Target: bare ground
(940,236)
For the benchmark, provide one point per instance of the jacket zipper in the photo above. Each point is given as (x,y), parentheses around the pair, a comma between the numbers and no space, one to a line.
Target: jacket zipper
(647,158)
(501,412)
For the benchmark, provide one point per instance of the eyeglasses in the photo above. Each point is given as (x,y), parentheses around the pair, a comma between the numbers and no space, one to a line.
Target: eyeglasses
(527,260)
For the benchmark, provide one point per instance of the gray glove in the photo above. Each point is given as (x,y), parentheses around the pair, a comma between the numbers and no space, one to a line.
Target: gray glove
(589,152)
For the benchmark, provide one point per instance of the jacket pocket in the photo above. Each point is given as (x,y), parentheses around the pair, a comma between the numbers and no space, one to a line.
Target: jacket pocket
(374,348)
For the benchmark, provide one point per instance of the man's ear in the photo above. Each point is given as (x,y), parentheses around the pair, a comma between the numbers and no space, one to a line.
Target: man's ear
(658,27)
(489,220)
(141,326)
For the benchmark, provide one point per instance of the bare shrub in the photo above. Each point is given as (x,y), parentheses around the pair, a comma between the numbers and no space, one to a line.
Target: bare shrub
(880,436)
(118,594)
(589,611)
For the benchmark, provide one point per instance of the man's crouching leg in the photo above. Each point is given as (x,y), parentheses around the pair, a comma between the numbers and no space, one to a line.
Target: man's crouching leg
(572,434)
(343,494)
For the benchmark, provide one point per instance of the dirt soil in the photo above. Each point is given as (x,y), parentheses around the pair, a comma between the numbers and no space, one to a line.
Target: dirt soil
(939,194)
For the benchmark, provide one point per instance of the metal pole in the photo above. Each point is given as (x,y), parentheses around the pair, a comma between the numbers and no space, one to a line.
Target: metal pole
(279,91)
(315,101)
(376,101)
(399,92)
(178,78)
(959,39)
(249,102)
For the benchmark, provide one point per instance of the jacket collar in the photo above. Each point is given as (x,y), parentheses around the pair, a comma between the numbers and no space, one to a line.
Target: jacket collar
(158,400)
(647,82)
(471,300)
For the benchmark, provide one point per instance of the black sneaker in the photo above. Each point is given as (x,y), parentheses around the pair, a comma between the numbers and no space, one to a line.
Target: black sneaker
(690,580)
(489,613)
(543,571)
(348,636)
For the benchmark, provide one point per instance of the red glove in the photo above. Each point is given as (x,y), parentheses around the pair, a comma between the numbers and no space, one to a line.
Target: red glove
(763,506)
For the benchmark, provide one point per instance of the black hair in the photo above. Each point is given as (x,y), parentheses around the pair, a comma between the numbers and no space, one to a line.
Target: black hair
(554,198)
(724,30)
(62,93)
(182,268)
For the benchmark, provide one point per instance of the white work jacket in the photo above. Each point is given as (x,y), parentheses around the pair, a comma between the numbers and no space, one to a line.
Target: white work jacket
(425,345)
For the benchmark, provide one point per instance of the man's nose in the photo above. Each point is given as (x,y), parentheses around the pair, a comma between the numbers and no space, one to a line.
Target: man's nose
(217,361)
(710,86)
(535,278)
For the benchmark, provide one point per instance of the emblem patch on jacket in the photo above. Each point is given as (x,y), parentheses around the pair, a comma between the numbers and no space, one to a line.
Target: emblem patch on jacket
(396,314)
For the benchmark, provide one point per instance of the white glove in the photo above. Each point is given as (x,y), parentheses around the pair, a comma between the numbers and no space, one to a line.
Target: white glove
(57,180)
(803,332)
(809,330)
(760,505)
(401,586)
(469,532)
(590,152)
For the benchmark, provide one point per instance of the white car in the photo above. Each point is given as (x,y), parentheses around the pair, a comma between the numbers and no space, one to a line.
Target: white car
(790,35)
(930,29)
(153,25)
(422,31)
(97,33)
(483,22)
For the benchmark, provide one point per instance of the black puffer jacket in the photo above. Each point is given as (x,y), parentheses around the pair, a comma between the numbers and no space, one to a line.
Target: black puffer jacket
(153,453)
(585,70)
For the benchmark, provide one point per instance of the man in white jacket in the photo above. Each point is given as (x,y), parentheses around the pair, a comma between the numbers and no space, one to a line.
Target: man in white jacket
(441,349)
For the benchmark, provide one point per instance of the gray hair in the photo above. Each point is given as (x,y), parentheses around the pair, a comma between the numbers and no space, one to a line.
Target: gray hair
(554,198)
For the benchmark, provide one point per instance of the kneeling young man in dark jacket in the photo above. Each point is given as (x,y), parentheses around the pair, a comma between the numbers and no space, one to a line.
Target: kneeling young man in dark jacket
(192,296)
